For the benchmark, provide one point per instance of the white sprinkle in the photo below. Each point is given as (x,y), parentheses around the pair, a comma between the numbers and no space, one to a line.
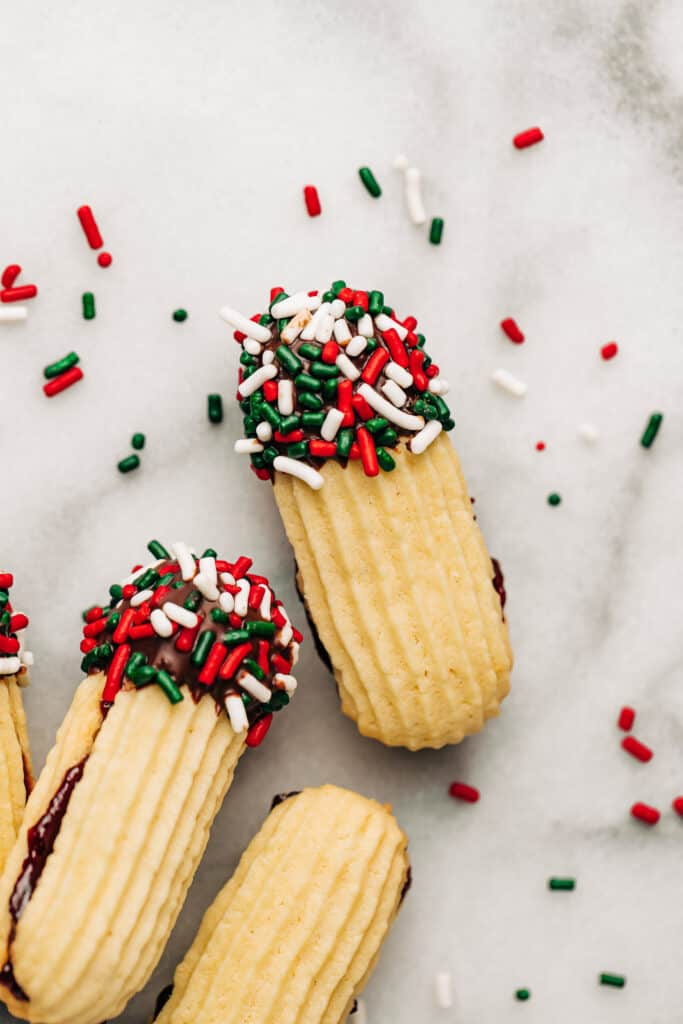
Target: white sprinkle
(140,598)
(294,304)
(366,326)
(139,572)
(268,357)
(207,566)
(347,367)
(413,193)
(325,327)
(242,599)
(264,431)
(228,579)
(439,386)
(10,666)
(395,372)
(253,686)
(161,623)
(241,323)
(294,651)
(337,308)
(394,393)
(227,602)
(331,424)
(341,331)
(185,559)
(183,616)
(257,380)
(237,714)
(309,475)
(248,446)
(442,985)
(385,323)
(401,162)
(402,419)
(508,383)
(254,348)
(26,658)
(284,635)
(308,333)
(285,682)
(285,397)
(264,608)
(206,586)
(295,326)
(425,437)
(587,432)
(11,313)
(356,345)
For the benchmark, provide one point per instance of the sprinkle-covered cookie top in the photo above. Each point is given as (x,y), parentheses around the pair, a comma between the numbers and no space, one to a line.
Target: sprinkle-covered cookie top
(334,376)
(14,660)
(200,622)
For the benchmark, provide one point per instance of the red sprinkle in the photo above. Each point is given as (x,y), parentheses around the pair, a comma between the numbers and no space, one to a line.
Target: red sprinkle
(278,618)
(281,664)
(142,612)
(360,299)
(233,660)
(346,295)
(255,597)
(128,591)
(396,347)
(115,673)
(241,567)
(259,731)
(512,330)
(375,364)
(365,411)
(636,749)
(212,664)
(87,644)
(677,805)
(142,632)
(90,228)
(24,291)
(95,628)
(291,438)
(275,291)
(262,474)
(527,138)
(410,323)
(17,622)
(368,453)
(64,381)
(124,624)
(330,352)
(540,446)
(627,717)
(7,579)
(461,791)
(420,379)
(643,812)
(322,449)
(263,648)
(8,645)
(10,274)
(270,391)
(312,200)
(104,259)
(93,614)
(609,350)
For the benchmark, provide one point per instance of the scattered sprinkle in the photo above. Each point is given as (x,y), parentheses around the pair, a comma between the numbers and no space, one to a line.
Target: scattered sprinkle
(401,162)
(652,429)
(627,717)
(645,813)
(677,805)
(522,994)
(511,329)
(540,446)
(529,137)
(609,350)
(90,228)
(104,259)
(215,408)
(436,230)
(138,442)
(20,294)
(63,381)
(413,193)
(370,182)
(312,200)
(129,463)
(636,749)
(461,791)
(442,986)
(54,369)
(10,274)
(88,306)
(179,315)
(13,314)
(615,980)
(562,884)
(554,499)
(507,382)
(589,433)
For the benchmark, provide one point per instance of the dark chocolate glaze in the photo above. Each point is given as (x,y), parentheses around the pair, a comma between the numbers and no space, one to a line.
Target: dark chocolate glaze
(280,798)
(499,583)
(354,1008)
(406,885)
(10,982)
(162,999)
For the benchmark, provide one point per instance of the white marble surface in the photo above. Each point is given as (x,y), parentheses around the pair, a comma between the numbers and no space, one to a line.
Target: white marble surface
(191,129)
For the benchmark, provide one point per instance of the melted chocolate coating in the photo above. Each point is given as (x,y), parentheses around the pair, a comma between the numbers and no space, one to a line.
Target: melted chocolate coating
(280,798)
(162,999)
(406,885)
(9,981)
(499,584)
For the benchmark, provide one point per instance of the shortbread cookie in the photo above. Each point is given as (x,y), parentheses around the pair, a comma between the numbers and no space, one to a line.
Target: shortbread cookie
(344,411)
(15,759)
(294,935)
(185,668)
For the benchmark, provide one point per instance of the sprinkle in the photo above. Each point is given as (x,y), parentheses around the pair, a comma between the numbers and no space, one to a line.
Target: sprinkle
(643,812)
(206,586)
(214,405)
(342,333)
(185,559)
(386,323)
(615,980)
(128,464)
(401,162)
(180,315)
(285,397)
(366,326)
(257,690)
(253,348)
(540,446)
(636,749)
(284,681)
(168,685)
(294,304)
(10,666)
(10,274)
(215,659)
(207,568)
(529,137)
(374,366)
(90,228)
(64,381)
(295,326)
(331,425)
(324,328)
(312,200)
(357,345)
(506,382)
(652,429)
(140,598)
(234,660)
(248,446)
(461,791)
(587,432)
(104,260)
(425,437)
(370,182)
(368,453)
(436,230)
(54,369)
(309,331)
(562,884)
(677,805)
(402,419)
(257,380)
(259,731)
(394,393)
(242,598)
(24,291)
(609,351)
(176,613)
(13,314)
(513,332)
(88,300)
(522,994)
(161,623)
(554,499)
(627,717)
(442,986)
(252,330)
(398,374)
(234,705)
(157,549)
(413,193)
(349,369)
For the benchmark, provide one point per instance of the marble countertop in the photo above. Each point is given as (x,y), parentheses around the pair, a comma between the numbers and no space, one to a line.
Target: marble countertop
(191,130)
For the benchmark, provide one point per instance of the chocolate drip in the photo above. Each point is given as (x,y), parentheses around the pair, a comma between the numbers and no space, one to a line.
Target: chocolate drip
(162,999)
(9,981)
(280,798)
(499,583)
(406,885)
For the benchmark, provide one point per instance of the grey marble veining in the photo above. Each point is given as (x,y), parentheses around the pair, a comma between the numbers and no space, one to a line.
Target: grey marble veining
(191,129)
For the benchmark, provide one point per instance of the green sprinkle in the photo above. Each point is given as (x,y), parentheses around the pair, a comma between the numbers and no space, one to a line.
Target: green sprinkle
(116,591)
(269,455)
(129,463)
(138,442)
(652,429)
(250,425)
(167,578)
(305,382)
(218,615)
(376,424)
(278,298)
(266,320)
(388,438)
(113,620)
(385,460)
(388,311)
(136,661)
(615,980)
(288,359)
(201,648)
(554,499)
(562,884)
(370,182)
(281,324)
(289,423)
(235,636)
(215,408)
(148,578)
(270,414)
(278,700)
(375,303)
(310,401)
(247,360)
(54,369)
(354,313)
(167,684)
(523,994)
(298,450)
(337,286)
(312,420)
(257,460)
(255,669)
(144,675)
(371,345)
(179,315)
(192,601)
(210,553)
(4,598)
(88,306)
(344,442)
(329,391)
(436,231)
(266,630)
(328,296)
(310,351)
(178,585)
(324,371)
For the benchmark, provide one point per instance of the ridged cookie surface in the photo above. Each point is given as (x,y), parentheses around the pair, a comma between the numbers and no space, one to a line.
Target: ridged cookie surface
(15,763)
(397,579)
(129,844)
(293,936)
